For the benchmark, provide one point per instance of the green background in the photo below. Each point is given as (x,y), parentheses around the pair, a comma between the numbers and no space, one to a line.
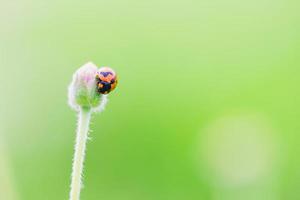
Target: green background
(182,66)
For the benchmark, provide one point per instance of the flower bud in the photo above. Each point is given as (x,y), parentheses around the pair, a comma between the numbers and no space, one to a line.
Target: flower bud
(83,88)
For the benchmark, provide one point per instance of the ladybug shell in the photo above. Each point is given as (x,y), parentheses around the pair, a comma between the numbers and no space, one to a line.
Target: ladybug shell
(106,80)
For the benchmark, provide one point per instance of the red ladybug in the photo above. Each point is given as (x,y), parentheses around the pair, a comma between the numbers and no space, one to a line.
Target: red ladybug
(106,80)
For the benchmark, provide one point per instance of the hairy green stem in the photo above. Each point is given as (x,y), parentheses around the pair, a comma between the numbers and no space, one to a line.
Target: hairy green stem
(82,134)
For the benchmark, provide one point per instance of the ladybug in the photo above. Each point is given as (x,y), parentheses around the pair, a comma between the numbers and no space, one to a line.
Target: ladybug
(106,79)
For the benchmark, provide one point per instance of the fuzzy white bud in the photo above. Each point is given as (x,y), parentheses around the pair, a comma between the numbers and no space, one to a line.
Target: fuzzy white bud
(83,88)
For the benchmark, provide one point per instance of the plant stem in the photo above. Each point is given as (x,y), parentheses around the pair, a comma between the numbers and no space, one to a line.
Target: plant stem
(82,134)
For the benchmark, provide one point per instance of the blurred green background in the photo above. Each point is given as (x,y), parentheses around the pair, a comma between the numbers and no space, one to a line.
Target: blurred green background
(207,105)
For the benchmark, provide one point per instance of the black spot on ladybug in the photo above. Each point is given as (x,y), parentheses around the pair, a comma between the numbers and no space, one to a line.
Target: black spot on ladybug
(105,74)
(105,87)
